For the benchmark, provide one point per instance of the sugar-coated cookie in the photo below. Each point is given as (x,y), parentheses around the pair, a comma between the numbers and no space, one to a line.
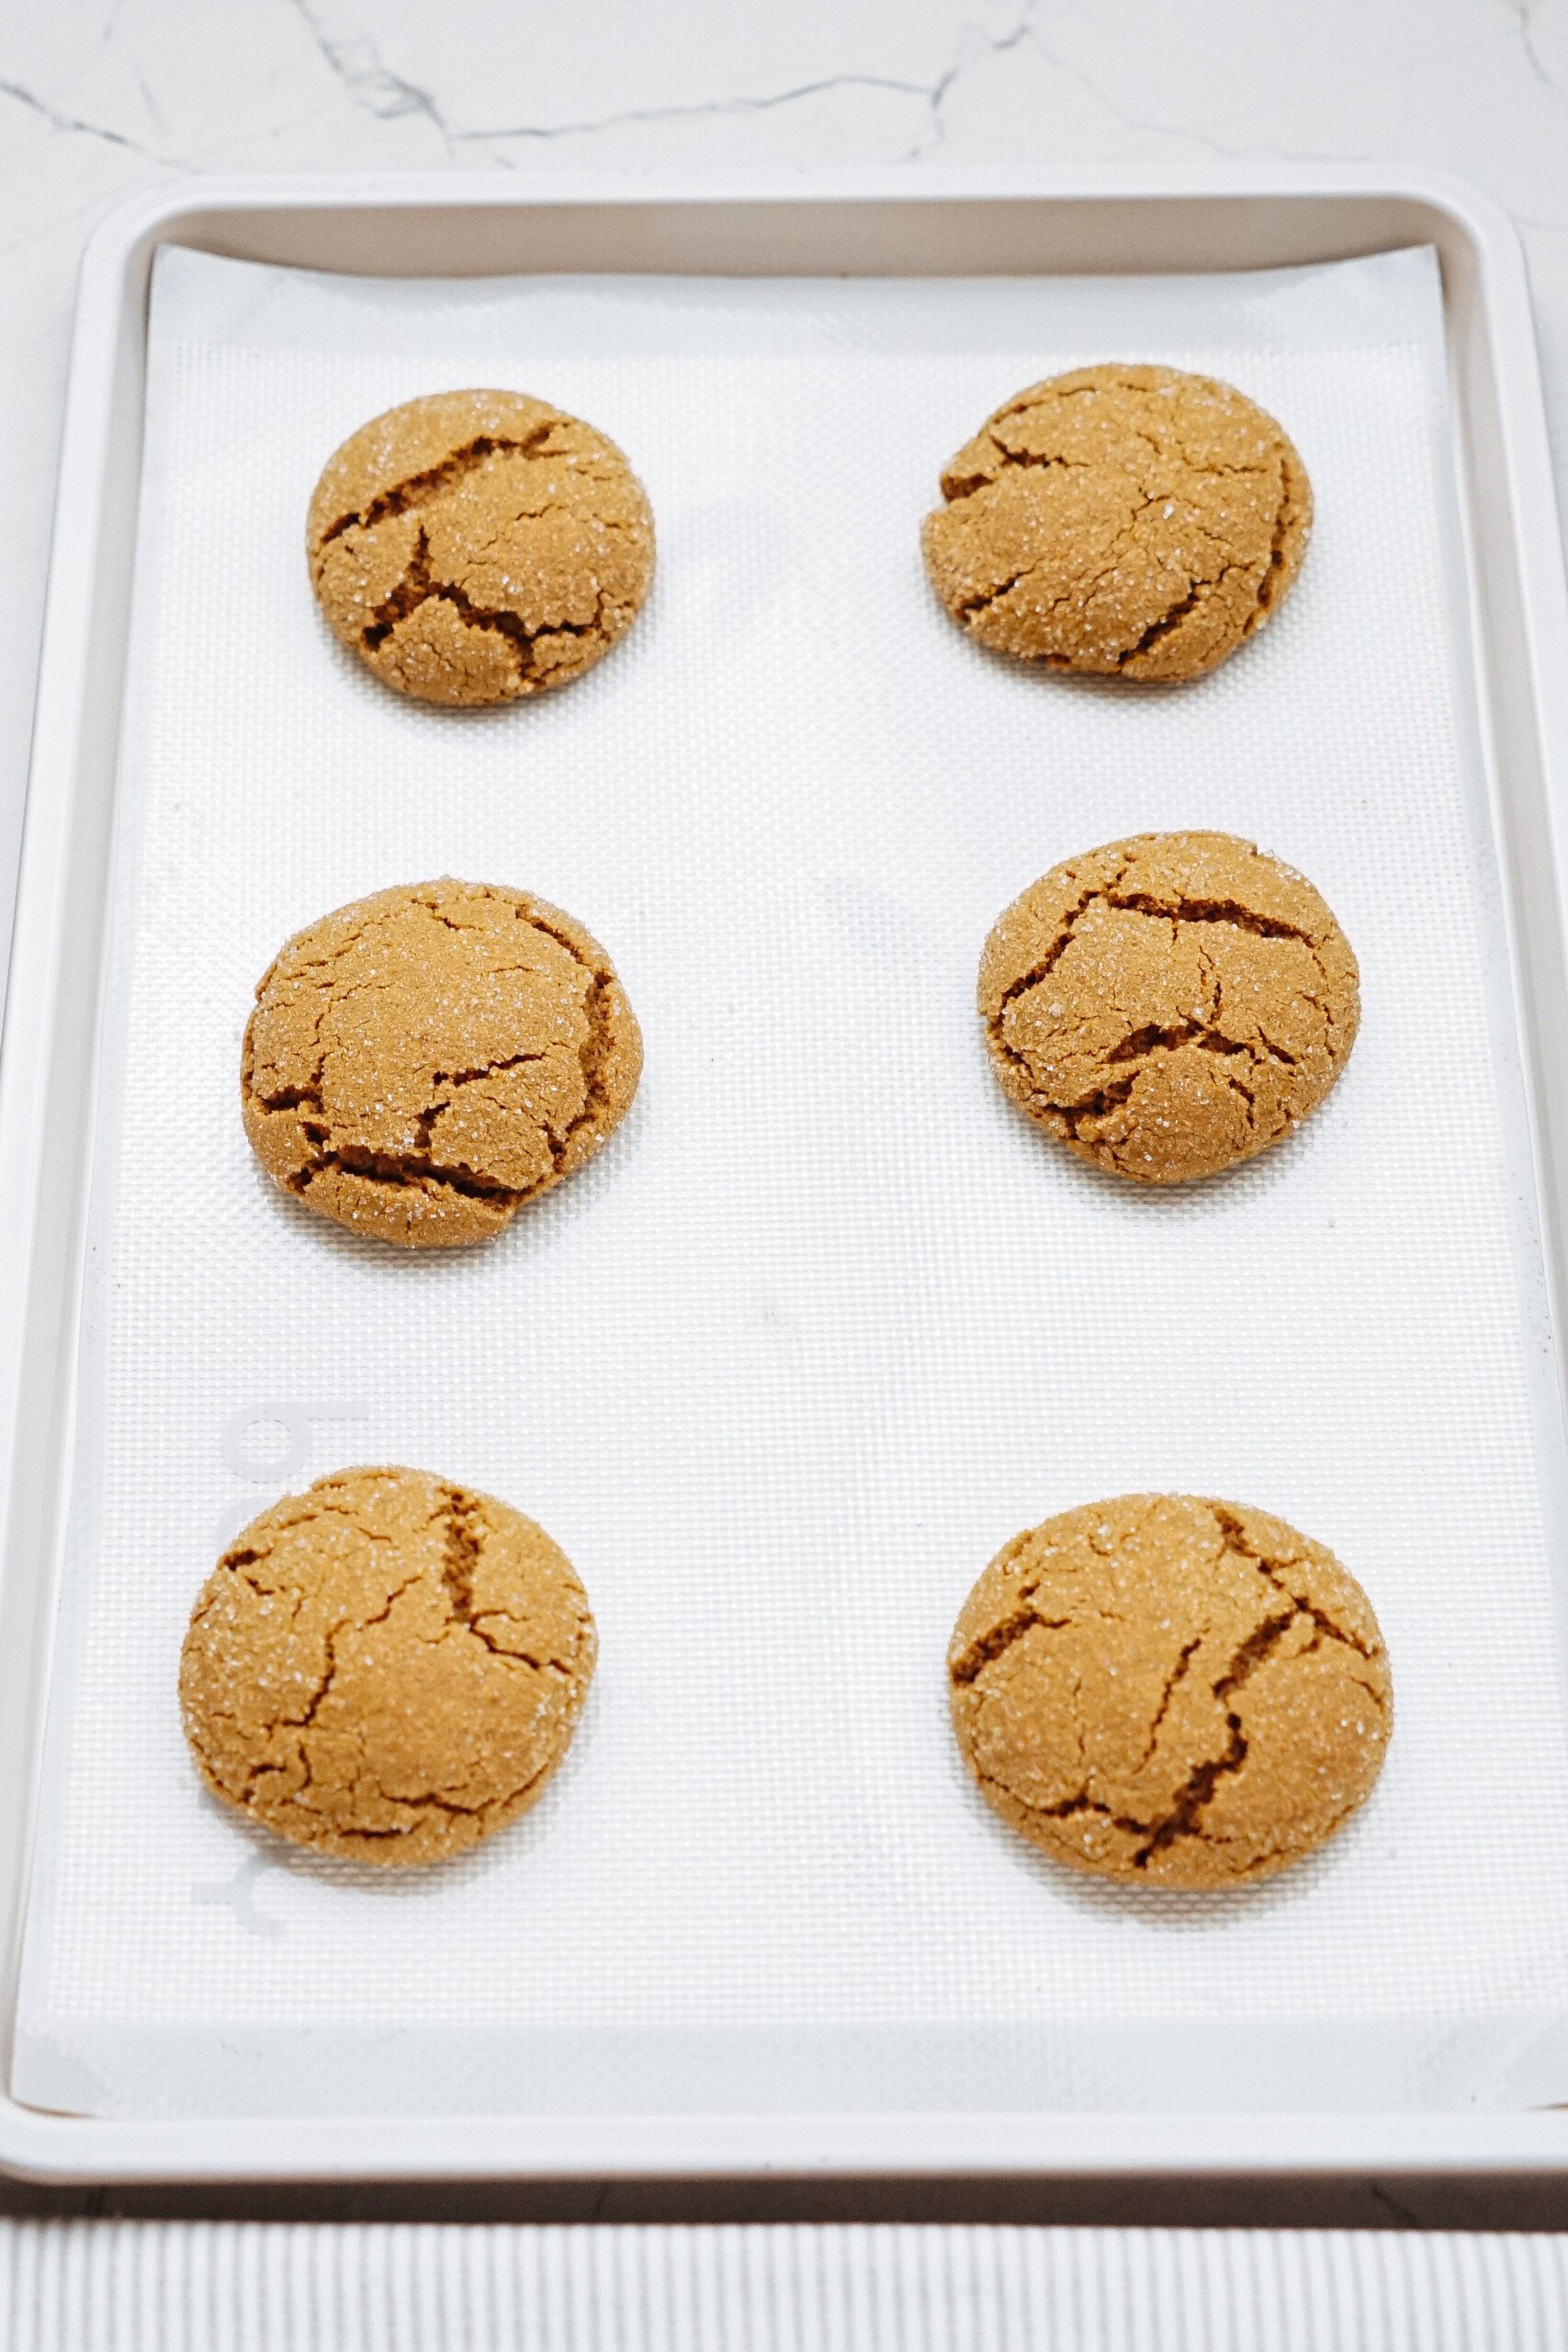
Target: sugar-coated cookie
(387,1668)
(1170,1691)
(477,546)
(1170,1004)
(421,1063)
(1132,522)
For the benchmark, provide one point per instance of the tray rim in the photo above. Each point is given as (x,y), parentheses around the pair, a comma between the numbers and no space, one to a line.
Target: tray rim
(47,999)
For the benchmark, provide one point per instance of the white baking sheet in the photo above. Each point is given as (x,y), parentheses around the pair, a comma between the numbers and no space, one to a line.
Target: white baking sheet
(828,1322)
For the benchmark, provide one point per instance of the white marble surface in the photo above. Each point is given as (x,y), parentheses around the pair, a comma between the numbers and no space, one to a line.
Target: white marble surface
(101,97)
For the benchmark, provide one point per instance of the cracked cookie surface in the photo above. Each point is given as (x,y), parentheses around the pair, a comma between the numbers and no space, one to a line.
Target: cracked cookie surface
(387,1668)
(1126,521)
(477,546)
(1170,1004)
(421,1063)
(1170,1691)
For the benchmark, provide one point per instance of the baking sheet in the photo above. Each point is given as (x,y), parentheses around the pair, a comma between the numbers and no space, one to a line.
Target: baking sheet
(827,1323)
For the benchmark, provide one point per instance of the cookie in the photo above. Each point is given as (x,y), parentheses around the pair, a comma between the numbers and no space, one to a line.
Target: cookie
(1169,1005)
(421,1063)
(477,546)
(387,1667)
(1129,522)
(1170,1691)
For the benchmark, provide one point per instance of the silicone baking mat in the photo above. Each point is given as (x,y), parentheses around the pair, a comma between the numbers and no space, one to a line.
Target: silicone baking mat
(828,1322)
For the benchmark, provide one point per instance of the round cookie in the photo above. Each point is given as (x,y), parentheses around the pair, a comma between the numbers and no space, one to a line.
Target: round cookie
(421,1063)
(476,547)
(1170,1691)
(387,1666)
(1169,1005)
(1129,522)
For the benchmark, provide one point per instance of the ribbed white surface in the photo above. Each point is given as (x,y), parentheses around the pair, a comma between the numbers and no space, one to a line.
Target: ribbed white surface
(228,2287)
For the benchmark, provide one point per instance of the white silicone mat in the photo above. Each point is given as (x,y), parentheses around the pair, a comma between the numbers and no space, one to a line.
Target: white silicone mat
(828,1322)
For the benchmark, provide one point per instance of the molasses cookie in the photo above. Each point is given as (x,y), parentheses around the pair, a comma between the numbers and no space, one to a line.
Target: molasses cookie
(476,547)
(1170,1691)
(1170,1004)
(421,1063)
(1132,522)
(387,1666)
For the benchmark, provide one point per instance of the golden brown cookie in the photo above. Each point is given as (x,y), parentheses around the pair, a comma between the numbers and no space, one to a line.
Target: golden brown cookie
(1169,1005)
(387,1666)
(421,1063)
(474,546)
(1170,1691)
(1133,522)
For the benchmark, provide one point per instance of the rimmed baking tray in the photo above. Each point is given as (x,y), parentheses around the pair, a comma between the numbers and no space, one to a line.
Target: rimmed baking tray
(862,229)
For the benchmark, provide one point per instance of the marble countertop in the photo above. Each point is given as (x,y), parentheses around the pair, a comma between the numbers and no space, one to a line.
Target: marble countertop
(99,99)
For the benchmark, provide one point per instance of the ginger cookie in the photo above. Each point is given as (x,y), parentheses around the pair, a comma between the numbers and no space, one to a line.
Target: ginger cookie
(1129,522)
(477,546)
(387,1667)
(1169,1005)
(1170,1691)
(421,1063)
